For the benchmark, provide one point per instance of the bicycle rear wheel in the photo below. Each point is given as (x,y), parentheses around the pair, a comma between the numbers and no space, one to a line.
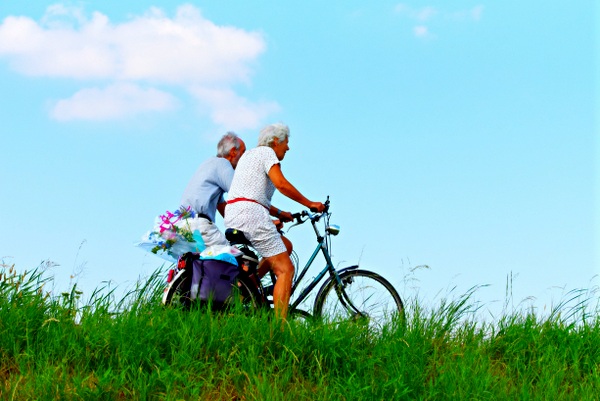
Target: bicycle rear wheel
(362,296)
(177,291)
(244,294)
(247,295)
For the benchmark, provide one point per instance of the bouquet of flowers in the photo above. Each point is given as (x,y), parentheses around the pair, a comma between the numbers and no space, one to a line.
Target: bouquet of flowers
(173,235)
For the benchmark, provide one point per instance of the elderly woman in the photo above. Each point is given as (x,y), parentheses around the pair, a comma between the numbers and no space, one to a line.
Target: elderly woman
(249,208)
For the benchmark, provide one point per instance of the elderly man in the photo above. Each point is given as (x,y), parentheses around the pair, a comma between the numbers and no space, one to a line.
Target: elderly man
(205,191)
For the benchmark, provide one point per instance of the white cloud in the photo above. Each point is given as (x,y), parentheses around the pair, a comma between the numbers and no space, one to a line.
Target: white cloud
(421,31)
(419,14)
(55,52)
(114,102)
(430,14)
(477,12)
(186,48)
(473,14)
(59,15)
(183,51)
(425,13)
(231,111)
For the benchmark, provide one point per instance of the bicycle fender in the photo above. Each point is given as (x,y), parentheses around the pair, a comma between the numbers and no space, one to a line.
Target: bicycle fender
(176,280)
(326,283)
(347,268)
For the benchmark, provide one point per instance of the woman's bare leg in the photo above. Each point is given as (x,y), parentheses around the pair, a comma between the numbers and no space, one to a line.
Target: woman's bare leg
(288,244)
(264,266)
(283,268)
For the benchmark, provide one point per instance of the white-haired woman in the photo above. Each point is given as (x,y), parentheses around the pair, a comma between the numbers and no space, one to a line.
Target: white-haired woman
(249,208)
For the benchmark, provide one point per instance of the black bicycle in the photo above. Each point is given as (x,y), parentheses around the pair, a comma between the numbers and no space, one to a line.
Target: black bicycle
(348,293)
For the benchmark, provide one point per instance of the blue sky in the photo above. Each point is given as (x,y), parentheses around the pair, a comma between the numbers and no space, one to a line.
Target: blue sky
(458,136)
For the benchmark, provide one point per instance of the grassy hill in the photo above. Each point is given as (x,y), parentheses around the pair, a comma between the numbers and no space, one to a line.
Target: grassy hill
(58,348)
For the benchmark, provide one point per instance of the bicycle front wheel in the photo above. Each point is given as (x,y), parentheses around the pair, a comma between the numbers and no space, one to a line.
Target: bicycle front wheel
(362,296)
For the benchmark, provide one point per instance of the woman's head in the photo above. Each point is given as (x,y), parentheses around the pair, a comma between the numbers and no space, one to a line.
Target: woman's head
(270,132)
(276,137)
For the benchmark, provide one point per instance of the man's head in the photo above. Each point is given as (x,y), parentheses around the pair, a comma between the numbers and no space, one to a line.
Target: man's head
(231,147)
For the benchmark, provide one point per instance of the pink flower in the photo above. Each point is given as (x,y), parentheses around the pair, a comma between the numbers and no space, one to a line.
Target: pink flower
(169,234)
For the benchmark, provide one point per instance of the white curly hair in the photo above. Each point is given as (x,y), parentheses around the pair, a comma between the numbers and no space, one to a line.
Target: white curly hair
(272,131)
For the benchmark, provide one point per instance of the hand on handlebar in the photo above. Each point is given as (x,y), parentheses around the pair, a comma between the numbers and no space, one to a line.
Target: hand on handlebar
(285,217)
(316,207)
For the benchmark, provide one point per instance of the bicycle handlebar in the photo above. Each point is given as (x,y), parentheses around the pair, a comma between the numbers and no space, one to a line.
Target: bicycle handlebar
(313,217)
(298,216)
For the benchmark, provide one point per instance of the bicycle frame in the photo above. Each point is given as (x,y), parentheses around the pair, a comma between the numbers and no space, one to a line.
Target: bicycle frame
(322,247)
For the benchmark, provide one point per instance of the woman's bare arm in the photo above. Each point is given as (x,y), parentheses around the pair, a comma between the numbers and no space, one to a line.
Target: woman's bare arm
(287,189)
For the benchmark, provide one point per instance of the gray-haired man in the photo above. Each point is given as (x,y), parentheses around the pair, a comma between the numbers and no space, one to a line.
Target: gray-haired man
(205,191)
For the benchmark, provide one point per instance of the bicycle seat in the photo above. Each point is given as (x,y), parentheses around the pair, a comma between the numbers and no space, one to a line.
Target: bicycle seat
(235,237)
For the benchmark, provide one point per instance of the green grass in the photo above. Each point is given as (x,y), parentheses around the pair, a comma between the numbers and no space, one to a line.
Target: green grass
(61,348)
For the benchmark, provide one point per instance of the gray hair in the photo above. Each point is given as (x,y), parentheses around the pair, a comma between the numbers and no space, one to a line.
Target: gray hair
(229,141)
(270,132)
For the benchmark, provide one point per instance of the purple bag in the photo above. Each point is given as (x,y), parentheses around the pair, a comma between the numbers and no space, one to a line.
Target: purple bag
(212,280)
